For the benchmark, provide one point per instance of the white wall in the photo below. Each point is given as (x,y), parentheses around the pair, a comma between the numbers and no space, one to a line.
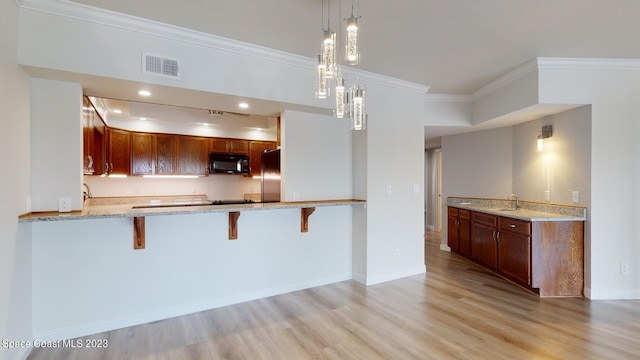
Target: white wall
(395,161)
(56,148)
(563,166)
(615,169)
(316,161)
(87,278)
(15,192)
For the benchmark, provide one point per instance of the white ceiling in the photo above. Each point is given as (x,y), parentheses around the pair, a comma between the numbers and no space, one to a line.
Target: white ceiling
(453,46)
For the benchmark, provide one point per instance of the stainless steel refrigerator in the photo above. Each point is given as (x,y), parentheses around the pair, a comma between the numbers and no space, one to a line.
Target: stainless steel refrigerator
(271,176)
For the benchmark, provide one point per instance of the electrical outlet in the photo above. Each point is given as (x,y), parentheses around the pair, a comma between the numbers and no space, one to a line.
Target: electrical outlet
(575,197)
(388,189)
(397,253)
(624,268)
(416,188)
(64,204)
(547,195)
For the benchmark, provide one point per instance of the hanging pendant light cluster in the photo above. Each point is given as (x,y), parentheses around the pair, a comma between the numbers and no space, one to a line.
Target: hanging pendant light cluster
(349,102)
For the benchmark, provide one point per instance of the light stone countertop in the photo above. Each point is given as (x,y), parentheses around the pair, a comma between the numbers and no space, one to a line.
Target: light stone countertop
(117,209)
(528,211)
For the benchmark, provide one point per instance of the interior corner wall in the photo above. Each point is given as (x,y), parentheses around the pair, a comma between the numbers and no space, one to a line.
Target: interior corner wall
(15,187)
(56,145)
(615,171)
(477,164)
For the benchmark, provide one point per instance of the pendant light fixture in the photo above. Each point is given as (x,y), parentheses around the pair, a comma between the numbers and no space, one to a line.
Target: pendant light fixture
(357,111)
(349,102)
(351,49)
(341,97)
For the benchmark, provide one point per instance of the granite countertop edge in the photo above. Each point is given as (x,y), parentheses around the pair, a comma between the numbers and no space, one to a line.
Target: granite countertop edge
(126,210)
(529,211)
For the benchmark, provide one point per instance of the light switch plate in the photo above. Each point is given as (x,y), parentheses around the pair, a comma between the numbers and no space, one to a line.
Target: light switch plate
(416,188)
(575,197)
(64,204)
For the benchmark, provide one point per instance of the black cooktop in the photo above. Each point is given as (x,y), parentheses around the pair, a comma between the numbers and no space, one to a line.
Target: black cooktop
(231,202)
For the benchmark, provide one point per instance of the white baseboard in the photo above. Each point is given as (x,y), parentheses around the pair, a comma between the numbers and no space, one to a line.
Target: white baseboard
(372,280)
(612,294)
(445,247)
(71,332)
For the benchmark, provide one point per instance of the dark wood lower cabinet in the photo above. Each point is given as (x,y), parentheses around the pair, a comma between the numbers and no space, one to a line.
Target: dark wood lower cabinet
(547,257)
(514,256)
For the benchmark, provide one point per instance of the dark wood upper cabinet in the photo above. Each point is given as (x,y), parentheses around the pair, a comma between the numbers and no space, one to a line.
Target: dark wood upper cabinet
(119,151)
(142,154)
(166,154)
(256,148)
(192,155)
(229,146)
(94,140)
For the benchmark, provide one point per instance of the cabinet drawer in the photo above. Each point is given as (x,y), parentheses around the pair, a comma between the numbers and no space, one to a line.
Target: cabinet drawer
(464,214)
(514,225)
(453,211)
(482,218)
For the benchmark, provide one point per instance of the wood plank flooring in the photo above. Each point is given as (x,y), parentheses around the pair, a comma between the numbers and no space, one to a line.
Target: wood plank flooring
(456,310)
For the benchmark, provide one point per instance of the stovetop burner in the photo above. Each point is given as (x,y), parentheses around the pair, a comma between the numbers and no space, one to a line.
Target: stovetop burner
(231,202)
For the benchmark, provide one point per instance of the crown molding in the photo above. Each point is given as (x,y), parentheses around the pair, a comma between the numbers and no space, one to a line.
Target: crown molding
(114,19)
(545,63)
(513,75)
(448,98)
(588,64)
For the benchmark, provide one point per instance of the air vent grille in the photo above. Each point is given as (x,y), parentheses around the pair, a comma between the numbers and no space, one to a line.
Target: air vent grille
(160,66)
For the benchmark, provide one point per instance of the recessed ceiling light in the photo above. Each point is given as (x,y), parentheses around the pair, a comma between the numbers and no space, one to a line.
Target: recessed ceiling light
(259,129)
(143,118)
(144,93)
(117,111)
(205,124)
(243,105)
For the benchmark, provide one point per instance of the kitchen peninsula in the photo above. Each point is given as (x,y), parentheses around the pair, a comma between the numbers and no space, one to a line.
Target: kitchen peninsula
(538,246)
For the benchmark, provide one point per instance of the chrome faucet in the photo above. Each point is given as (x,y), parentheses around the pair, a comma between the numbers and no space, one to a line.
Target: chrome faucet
(513,197)
(87,193)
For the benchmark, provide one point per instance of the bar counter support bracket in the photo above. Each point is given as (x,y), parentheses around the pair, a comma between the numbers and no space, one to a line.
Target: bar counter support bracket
(304,219)
(138,233)
(233,224)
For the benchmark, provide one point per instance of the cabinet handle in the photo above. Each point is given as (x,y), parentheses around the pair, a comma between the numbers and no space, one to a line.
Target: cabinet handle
(498,236)
(494,235)
(512,225)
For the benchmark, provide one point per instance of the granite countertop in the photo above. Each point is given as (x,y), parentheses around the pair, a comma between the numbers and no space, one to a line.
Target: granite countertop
(529,211)
(124,207)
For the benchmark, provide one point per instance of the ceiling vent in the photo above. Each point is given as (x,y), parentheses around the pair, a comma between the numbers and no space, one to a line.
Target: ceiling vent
(160,66)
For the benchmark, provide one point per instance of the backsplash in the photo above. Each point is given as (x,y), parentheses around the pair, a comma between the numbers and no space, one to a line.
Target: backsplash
(215,187)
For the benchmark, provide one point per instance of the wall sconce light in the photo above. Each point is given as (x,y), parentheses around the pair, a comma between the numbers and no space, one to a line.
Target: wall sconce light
(546,132)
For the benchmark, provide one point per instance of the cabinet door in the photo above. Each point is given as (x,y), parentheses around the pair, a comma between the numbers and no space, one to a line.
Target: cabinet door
(217,145)
(514,256)
(484,248)
(452,232)
(192,156)
(166,151)
(119,152)
(141,154)
(256,148)
(235,146)
(464,236)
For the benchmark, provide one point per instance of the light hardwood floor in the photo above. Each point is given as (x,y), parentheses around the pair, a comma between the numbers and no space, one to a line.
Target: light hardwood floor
(456,310)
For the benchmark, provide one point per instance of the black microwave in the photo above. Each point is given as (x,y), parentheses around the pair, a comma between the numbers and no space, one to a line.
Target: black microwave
(228,164)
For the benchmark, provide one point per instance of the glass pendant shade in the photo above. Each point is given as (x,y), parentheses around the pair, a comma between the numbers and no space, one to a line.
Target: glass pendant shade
(322,90)
(329,53)
(341,102)
(357,106)
(351,54)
